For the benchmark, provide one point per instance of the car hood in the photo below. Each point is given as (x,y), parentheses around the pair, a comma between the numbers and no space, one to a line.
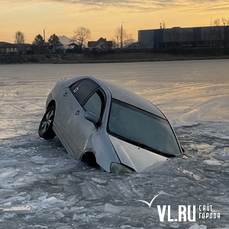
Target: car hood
(136,157)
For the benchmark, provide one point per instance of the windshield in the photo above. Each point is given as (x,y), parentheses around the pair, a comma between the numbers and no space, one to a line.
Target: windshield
(142,129)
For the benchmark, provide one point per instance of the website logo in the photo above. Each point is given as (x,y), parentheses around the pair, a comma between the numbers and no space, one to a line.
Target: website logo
(185,213)
(151,202)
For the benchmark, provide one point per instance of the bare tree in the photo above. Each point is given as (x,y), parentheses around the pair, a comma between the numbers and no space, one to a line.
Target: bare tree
(128,40)
(121,35)
(220,31)
(162,25)
(82,35)
(19,38)
(114,43)
(225,21)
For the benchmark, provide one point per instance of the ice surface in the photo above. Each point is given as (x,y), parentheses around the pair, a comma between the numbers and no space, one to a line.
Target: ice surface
(43,187)
(38,160)
(212,162)
(7,177)
(110,208)
(196,226)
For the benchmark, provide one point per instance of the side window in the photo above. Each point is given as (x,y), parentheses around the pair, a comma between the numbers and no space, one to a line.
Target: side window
(95,103)
(83,89)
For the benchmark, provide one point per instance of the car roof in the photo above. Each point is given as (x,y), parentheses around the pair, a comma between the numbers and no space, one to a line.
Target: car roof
(130,97)
(125,95)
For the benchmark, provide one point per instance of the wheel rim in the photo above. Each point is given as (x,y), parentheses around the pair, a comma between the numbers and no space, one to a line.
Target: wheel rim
(47,120)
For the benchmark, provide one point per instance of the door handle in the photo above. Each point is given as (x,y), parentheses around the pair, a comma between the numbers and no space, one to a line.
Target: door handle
(77,112)
(65,94)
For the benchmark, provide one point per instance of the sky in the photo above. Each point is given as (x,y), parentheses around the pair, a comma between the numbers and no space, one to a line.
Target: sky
(103,17)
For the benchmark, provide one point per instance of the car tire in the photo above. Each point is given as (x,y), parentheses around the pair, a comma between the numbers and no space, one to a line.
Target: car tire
(45,128)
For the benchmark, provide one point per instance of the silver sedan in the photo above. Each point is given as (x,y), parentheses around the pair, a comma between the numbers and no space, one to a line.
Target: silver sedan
(101,123)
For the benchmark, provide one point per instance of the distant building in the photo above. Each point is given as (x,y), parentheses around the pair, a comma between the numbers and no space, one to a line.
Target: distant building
(101,45)
(74,48)
(41,48)
(72,45)
(25,49)
(8,49)
(134,46)
(64,40)
(211,36)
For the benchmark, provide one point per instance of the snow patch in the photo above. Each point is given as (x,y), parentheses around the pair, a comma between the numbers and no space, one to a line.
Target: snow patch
(212,162)
(38,160)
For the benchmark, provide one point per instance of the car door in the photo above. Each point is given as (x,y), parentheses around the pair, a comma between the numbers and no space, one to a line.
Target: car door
(66,105)
(89,97)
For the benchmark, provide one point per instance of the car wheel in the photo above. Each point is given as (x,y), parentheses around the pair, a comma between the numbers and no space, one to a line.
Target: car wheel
(45,129)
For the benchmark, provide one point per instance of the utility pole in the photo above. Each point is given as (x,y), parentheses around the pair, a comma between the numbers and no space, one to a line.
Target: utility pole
(44,33)
(121,37)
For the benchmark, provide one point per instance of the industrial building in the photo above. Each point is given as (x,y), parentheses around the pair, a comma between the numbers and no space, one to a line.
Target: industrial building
(177,37)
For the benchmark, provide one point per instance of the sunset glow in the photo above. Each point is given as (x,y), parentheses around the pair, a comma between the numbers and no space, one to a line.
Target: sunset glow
(102,17)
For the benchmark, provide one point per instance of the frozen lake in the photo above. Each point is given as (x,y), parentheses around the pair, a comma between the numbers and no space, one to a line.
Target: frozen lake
(43,187)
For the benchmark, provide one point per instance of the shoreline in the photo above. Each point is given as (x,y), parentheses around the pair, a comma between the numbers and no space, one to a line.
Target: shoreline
(103,58)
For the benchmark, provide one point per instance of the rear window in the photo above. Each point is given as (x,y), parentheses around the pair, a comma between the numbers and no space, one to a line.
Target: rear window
(82,90)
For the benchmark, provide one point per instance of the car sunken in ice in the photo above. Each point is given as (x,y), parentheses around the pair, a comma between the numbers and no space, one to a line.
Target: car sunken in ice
(97,121)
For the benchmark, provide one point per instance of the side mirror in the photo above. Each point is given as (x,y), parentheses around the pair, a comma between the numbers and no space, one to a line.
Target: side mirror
(92,117)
